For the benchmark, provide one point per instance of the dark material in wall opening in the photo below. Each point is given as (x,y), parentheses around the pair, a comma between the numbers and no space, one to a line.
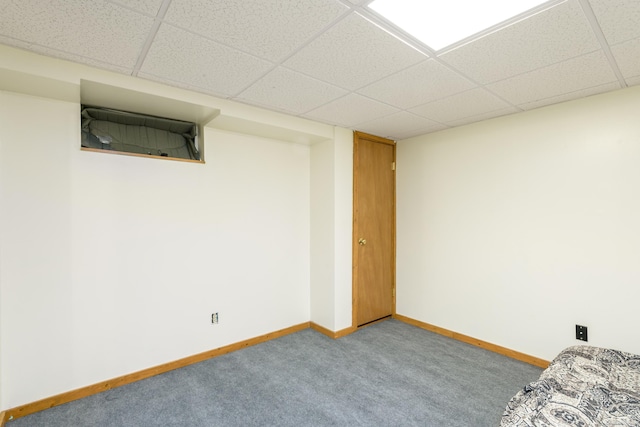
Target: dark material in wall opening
(116,130)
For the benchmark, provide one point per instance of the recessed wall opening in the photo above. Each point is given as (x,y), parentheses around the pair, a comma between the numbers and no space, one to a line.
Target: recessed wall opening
(126,132)
(142,123)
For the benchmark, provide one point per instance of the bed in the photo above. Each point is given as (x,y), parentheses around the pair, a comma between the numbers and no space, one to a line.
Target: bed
(583,386)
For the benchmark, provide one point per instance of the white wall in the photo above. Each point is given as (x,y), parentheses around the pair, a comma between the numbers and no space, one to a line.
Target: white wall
(111,264)
(322,235)
(331,231)
(515,229)
(35,279)
(343,205)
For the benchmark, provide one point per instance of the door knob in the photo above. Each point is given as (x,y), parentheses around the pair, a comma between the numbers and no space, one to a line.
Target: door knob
(362,241)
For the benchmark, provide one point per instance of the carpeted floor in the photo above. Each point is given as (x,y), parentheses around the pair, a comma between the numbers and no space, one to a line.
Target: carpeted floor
(387,374)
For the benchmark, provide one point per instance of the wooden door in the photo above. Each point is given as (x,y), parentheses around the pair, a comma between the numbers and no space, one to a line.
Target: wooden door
(374,228)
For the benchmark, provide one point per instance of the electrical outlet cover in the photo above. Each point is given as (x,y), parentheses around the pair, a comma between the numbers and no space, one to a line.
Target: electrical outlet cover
(581,333)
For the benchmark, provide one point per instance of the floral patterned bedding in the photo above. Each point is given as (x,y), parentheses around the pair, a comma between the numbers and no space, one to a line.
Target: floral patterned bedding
(583,386)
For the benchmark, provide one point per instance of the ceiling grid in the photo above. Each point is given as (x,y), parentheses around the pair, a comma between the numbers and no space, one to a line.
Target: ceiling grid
(337,61)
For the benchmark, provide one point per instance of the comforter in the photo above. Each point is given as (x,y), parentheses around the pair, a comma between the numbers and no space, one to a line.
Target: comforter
(583,386)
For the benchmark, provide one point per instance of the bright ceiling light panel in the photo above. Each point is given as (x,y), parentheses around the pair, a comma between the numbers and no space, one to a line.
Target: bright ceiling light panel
(441,23)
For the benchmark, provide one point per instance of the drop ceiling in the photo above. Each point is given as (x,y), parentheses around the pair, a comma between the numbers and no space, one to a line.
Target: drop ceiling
(336,61)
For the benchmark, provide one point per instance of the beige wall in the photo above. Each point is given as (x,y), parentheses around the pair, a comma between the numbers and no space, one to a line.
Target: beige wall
(111,264)
(511,231)
(331,231)
(515,229)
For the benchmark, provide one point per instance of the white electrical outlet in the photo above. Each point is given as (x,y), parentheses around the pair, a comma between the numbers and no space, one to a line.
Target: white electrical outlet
(214,318)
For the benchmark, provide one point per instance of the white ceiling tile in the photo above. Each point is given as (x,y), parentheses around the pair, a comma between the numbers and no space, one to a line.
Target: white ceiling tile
(302,56)
(417,85)
(633,81)
(483,116)
(411,134)
(627,56)
(64,55)
(570,96)
(618,19)
(290,91)
(397,124)
(103,32)
(149,7)
(351,110)
(186,58)
(554,35)
(183,85)
(569,76)
(268,29)
(354,53)
(466,104)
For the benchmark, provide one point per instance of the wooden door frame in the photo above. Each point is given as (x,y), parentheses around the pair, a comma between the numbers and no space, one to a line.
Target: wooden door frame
(357,136)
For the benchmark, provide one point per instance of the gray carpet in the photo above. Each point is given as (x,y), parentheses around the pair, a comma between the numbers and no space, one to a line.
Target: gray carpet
(387,374)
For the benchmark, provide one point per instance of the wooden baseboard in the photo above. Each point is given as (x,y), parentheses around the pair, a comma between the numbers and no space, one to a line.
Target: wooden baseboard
(541,363)
(49,402)
(332,334)
(70,396)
